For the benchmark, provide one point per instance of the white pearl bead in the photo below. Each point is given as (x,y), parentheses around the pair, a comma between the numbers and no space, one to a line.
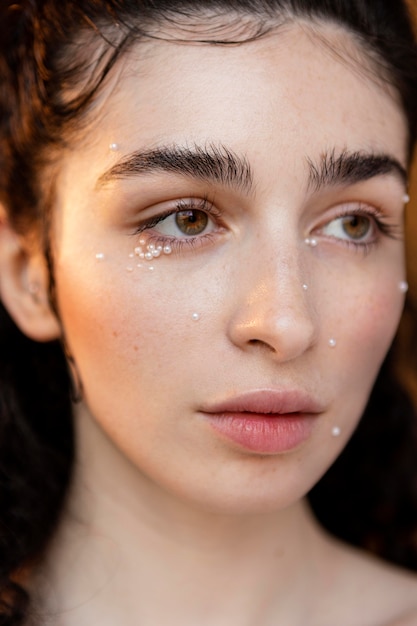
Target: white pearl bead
(114,147)
(406,198)
(403,286)
(167,249)
(195,317)
(336,431)
(332,343)
(305,287)
(99,256)
(148,256)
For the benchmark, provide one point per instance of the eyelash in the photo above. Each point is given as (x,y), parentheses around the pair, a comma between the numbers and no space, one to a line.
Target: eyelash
(179,243)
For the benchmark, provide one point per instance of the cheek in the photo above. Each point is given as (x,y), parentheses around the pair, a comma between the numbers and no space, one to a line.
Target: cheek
(365,332)
(131,330)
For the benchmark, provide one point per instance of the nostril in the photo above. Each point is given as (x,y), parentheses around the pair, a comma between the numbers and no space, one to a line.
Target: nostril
(261,344)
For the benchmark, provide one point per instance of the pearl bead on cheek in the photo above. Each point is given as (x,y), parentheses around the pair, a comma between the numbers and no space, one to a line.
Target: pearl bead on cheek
(195,317)
(336,431)
(332,343)
(403,286)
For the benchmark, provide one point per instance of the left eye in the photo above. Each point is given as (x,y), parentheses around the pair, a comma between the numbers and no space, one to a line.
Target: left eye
(352,227)
(190,222)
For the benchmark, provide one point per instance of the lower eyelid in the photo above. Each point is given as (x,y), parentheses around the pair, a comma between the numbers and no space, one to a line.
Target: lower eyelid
(179,244)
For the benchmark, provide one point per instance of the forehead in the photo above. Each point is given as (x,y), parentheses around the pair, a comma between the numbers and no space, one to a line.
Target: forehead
(297,90)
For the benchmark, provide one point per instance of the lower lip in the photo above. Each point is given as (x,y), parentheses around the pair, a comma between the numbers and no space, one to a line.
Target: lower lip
(264,434)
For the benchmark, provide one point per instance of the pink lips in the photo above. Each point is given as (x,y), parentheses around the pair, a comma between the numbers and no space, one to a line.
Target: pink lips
(265,421)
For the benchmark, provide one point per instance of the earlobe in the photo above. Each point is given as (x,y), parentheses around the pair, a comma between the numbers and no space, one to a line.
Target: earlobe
(24,285)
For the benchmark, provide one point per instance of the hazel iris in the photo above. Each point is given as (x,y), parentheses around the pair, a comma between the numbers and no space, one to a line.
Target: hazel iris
(191,221)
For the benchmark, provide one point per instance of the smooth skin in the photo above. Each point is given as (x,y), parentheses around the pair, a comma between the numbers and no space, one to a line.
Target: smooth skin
(169,523)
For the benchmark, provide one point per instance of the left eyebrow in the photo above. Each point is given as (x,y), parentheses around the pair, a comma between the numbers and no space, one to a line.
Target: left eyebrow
(352,167)
(216,164)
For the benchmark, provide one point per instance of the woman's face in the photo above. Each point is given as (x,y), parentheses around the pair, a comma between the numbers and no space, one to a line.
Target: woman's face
(232,370)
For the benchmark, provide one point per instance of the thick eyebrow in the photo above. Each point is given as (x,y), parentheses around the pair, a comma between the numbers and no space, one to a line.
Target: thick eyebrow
(215,164)
(349,168)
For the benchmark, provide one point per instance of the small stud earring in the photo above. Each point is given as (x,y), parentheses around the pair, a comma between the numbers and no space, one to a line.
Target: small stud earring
(33,289)
(403,286)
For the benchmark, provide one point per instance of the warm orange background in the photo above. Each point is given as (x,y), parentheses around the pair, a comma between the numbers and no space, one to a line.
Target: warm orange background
(406,359)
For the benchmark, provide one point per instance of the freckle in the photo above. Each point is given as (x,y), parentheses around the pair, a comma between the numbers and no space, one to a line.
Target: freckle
(115,333)
(135,348)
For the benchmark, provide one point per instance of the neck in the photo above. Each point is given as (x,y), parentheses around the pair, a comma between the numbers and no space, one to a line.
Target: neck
(129,552)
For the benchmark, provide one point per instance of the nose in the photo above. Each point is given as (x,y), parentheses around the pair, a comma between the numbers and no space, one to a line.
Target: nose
(273,307)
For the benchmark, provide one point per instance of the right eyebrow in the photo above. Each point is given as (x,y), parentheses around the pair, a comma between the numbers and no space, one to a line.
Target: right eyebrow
(215,164)
(346,168)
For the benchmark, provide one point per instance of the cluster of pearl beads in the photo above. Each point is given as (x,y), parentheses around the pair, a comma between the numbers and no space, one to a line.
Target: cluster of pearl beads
(147,252)
(151,251)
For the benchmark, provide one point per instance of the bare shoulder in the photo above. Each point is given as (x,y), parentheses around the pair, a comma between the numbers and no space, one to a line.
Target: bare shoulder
(377,593)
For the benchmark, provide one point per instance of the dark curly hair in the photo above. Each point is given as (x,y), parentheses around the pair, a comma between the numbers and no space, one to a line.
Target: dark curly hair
(48,81)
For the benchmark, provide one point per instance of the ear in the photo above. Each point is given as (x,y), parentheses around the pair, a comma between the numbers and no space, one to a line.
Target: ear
(24,285)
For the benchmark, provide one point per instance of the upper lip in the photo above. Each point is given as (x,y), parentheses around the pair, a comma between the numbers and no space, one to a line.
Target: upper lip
(267,401)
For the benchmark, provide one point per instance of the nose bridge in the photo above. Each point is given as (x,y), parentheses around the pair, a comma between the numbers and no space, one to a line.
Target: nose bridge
(274,306)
